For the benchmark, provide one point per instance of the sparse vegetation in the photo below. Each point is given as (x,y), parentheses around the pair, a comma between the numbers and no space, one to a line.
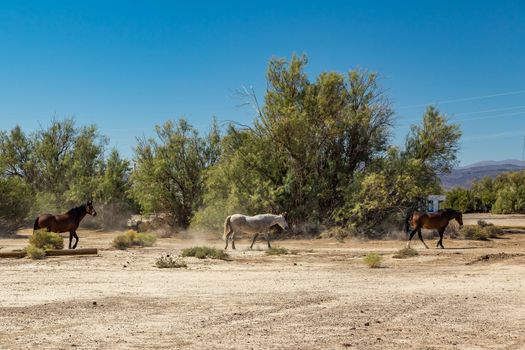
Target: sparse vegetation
(373,260)
(133,239)
(35,252)
(405,253)
(203,252)
(483,231)
(279,251)
(46,240)
(168,262)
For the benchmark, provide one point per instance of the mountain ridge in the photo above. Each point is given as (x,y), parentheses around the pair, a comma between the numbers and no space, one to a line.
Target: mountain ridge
(465,175)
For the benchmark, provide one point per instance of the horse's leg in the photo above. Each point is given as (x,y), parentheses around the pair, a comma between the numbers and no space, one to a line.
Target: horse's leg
(268,240)
(226,239)
(440,242)
(76,239)
(421,238)
(410,237)
(70,238)
(253,240)
(233,240)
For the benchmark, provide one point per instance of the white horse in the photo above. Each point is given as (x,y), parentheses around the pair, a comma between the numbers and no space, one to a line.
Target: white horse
(238,223)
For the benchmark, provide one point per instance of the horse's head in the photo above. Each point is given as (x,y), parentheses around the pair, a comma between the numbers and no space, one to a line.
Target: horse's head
(459,219)
(281,221)
(90,209)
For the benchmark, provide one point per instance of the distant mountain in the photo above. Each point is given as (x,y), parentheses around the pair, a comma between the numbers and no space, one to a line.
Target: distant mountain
(464,176)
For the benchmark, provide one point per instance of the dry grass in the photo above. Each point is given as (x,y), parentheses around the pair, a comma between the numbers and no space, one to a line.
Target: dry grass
(46,240)
(168,262)
(405,253)
(280,251)
(35,252)
(205,252)
(133,239)
(373,260)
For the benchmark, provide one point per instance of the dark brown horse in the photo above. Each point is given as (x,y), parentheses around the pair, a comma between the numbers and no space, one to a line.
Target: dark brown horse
(67,222)
(438,220)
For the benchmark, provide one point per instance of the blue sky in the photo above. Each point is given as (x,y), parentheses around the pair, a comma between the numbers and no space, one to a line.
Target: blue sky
(128,65)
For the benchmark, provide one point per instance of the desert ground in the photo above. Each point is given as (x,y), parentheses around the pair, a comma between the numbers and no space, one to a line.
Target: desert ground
(322,297)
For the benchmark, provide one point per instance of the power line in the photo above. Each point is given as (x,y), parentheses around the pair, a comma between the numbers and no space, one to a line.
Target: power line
(465,99)
(489,111)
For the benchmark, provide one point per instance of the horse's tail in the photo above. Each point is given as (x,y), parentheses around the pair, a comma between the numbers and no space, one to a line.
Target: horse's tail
(36,226)
(407,221)
(227,227)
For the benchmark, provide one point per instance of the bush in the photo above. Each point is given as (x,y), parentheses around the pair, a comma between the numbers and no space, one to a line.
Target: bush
(167,262)
(46,240)
(205,252)
(133,239)
(405,253)
(476,233)
(34,252)
(482,232)
(373,260)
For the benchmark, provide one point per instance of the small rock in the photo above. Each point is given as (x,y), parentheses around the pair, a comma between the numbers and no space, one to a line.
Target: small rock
(94,303)
(367,324)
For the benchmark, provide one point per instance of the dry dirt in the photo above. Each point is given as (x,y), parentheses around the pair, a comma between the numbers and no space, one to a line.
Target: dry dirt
(323,297)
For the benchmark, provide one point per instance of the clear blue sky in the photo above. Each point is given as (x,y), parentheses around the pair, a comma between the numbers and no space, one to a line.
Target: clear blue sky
(128,65)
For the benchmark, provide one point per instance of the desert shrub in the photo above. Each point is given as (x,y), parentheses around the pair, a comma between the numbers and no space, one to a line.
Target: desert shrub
(46,240)
(134,239)
(168,262)
(121,242)
(483,231)
(373,260)
(476,233)
(405,253)
(205,252)
(35,252)
(493,231)
(279,251)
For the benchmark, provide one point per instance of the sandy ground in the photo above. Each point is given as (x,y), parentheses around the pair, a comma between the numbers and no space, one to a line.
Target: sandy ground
(510,221)
(323,297)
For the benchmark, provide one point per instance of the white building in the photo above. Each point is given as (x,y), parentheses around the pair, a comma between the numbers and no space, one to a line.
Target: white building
(435,202)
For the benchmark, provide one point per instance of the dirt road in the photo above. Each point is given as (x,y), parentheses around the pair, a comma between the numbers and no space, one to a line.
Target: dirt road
(323,297)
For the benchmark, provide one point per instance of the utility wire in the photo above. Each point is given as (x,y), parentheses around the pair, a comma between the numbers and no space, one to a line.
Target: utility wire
(465,99)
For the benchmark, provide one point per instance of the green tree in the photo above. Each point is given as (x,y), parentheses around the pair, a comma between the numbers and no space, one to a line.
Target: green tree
(435,142)
(15,204)
(168,174)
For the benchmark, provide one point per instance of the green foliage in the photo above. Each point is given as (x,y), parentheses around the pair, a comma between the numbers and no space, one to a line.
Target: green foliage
(168,262)
(308,141)
(46,240)
(373,260)
(62,166)
(205,252)
(405,253)
(35,253)
(461,199)
(435,142)
(504,194)
(133,239)
(168,176)
(15,204)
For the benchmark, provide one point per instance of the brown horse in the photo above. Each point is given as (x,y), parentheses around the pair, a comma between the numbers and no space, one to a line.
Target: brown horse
(67,222)
(438,220)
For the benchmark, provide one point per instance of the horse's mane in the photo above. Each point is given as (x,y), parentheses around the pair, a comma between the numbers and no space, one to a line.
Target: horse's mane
(76,210)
